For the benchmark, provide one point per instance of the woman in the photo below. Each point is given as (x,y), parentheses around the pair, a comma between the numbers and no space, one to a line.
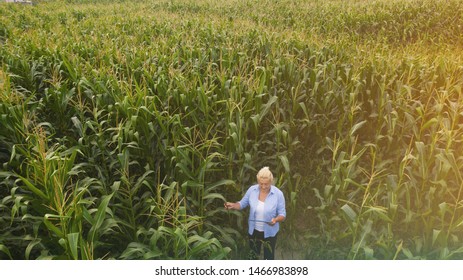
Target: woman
(267,210)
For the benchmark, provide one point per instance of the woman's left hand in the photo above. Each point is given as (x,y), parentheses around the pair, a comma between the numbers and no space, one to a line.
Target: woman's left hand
(275,220)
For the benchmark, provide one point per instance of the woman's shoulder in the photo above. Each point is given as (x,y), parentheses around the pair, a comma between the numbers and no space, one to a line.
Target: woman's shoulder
(276,190)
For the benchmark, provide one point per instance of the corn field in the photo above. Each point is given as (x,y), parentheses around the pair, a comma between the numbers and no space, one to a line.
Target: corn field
(125,125)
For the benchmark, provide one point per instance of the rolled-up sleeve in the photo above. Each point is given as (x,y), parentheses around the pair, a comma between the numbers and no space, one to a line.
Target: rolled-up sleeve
(281,206)
(244,202)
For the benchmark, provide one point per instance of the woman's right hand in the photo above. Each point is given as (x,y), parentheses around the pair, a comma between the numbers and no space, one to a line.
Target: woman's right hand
(231,205)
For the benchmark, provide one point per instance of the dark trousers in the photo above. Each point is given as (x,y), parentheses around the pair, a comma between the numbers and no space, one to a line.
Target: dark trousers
(257,240)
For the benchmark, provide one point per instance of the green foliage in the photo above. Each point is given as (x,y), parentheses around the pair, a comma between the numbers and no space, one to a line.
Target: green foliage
(125,126)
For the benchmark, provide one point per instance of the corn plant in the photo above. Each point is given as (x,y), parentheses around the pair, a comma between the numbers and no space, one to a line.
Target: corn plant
(126,125)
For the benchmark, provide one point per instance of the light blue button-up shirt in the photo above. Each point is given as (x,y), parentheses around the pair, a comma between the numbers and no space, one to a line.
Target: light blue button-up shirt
(274,206)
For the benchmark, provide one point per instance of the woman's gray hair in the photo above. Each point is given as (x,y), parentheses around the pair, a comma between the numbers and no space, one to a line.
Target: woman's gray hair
(265,173)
